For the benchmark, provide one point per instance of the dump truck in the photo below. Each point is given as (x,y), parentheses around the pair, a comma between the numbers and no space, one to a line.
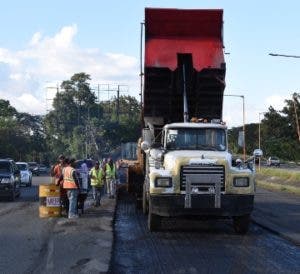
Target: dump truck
(186,166)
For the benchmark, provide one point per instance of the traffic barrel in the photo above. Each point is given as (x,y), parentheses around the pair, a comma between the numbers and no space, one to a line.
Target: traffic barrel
(49,196)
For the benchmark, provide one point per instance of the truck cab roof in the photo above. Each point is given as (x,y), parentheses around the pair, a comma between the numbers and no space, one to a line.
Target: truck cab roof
(195,125)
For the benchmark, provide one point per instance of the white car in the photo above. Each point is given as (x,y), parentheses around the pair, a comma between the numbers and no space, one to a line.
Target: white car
(273,161)
(26,174)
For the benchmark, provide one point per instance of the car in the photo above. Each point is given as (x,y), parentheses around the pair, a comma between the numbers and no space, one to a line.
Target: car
(43,169)
(34,168)
(273,161)
(26,174)
(10,179)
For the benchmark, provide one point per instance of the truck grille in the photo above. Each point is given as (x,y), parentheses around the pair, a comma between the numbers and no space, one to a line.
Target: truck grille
(206,176)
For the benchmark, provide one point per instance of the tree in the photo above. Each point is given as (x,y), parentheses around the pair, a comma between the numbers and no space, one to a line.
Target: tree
(73,108)
(21,134)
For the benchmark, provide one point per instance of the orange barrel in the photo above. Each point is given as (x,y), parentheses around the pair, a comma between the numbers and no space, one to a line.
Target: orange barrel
(49,196)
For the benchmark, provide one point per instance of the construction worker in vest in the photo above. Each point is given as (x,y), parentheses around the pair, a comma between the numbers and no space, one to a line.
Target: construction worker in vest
(110,175)
(71,185)
(57,173)
(97,183)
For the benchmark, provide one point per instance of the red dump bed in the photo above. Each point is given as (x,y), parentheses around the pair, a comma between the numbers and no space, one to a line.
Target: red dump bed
(183,38)
(172,31)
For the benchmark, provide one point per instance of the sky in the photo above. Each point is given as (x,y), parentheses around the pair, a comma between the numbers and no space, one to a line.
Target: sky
(45,42)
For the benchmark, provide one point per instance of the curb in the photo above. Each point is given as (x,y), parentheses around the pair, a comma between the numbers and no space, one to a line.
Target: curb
(274,231)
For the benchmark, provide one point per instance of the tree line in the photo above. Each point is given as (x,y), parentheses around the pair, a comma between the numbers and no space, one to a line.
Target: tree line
(278,132)
(80,126)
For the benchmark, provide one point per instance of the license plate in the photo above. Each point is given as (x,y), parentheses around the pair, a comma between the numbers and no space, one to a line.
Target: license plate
(53,201)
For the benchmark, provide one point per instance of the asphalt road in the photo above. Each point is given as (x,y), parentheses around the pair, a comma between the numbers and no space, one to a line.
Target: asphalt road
(196,246)
(29,244)
(22,234)
(278,211)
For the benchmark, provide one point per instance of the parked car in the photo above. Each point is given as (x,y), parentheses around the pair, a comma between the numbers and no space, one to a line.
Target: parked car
(43,169)
(9,179)
(34,168)
(26,174)
(273,161)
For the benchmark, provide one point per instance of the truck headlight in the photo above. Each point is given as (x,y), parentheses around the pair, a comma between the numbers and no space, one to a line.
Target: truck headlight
(241,181)
(6,180)
(163,182)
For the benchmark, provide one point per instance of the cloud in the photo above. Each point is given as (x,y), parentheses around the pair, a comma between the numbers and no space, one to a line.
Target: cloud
(35,39)
(54,59)
(276,101)
(27,102)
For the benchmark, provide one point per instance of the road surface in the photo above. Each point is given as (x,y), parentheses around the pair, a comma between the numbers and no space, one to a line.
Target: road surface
(29,244)
(195,246)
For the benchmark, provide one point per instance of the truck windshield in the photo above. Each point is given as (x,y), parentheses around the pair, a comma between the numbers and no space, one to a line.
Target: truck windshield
(196,139)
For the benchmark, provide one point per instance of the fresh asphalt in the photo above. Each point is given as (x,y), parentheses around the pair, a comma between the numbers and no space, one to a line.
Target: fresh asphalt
(196,246)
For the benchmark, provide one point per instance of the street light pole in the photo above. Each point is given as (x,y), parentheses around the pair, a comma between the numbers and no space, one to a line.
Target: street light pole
(294,98)
(259,137)
(284,55)
(244,123)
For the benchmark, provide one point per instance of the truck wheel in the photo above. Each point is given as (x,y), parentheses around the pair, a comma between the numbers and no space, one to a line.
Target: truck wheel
(154,221)
(145,202)
(241,224)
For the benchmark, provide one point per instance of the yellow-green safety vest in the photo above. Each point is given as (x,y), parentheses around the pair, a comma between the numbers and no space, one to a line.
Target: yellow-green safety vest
(98,174)
(110,172)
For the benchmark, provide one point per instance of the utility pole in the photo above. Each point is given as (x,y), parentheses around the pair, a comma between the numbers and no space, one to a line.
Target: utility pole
(118,104)
(296,116)
(244,123)
(141,72)
(259,137)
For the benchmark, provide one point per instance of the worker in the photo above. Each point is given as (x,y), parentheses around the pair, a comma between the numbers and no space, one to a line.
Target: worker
(71,185)
(97,174)
(84,174)
(57,169)
(57,173)
(111,175)
(103,166)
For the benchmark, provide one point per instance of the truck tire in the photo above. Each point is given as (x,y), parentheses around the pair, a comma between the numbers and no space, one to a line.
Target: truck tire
(145,202)
(241,224)
(154,221)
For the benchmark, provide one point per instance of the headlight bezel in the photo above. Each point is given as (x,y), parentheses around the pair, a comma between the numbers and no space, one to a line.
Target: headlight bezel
(237,182)
(164,182)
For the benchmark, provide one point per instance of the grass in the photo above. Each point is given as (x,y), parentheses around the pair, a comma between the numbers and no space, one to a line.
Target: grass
(286,175)
(278,187)
(279,180)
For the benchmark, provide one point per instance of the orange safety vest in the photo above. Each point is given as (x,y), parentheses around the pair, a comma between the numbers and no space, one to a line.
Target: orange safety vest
(57,173)
(69,182)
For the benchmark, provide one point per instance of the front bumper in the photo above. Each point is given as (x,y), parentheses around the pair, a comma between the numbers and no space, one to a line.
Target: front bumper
(6,190)
(202,205)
